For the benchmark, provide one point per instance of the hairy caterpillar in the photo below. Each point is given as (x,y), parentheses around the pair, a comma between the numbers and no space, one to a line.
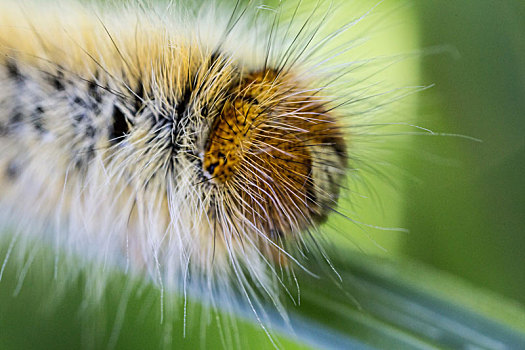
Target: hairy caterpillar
(201,155)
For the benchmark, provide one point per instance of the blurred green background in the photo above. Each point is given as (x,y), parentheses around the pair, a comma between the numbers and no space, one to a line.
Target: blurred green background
(467,212)
(463,202)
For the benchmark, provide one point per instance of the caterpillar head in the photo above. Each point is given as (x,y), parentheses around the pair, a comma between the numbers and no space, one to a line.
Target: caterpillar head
(275,154)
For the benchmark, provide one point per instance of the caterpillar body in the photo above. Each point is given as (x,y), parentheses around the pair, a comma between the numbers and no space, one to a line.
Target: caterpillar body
(198,152)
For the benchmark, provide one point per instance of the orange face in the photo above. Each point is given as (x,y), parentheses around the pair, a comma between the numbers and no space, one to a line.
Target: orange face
(230,139)
(277,152)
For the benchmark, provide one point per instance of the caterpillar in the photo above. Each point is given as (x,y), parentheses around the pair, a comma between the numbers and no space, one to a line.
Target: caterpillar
(203,152)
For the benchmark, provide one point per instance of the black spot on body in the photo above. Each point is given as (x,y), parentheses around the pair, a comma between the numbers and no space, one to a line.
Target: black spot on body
(83,157)
(95,88)
(57,84)
(37,120)
(78,118)
(80,115)
(78,101)
(57,80)
(94,91)
(90,131)
(13,71)
(12,170)
(90,152)
(120,126)
(15,120)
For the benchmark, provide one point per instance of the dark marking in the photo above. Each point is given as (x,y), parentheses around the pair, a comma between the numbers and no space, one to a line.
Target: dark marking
(78,101)
(78,118)
(250,99)
(214,57)
(338,144)
(94,92)
(83,157)
(211,168)
(13,170)
(120,126)
(16,119)
(140,96)
(57,84)
(94,88)
(221,155)
(13,71)
(37,120)
(57,81)
(204,110)
(90,152)
(183,104)
(90,131)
